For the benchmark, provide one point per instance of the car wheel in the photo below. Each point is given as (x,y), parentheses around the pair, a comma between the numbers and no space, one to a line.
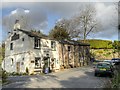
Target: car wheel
(111,76)
(95,74)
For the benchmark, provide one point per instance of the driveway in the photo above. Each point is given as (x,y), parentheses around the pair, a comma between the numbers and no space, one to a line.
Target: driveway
(82,77)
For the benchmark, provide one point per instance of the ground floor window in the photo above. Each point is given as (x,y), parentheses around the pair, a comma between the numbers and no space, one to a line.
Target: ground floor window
(12,62)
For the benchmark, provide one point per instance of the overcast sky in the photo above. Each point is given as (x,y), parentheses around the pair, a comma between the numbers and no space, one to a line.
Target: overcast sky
(43,15)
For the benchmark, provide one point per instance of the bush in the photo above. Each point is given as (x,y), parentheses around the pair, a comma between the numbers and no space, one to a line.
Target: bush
(4,76)
(116,79)
(17,74)
(27,71)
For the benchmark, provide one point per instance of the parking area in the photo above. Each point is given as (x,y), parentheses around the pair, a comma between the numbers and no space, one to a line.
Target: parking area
(82,77)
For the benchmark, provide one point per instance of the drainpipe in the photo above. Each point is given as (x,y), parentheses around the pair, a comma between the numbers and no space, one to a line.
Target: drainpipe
(62,54)
(74,58)
(4,64)
(68,58)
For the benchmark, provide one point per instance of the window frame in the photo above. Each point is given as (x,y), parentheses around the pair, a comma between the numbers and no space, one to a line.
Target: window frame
(12,61)
(53,45)
(15,37)
(37,43)
(23,39)
(69,48)
(11,46)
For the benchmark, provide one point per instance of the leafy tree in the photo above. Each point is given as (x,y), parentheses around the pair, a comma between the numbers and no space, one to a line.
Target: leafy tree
(38,32)
(2,52)
(116,44)
(58,33)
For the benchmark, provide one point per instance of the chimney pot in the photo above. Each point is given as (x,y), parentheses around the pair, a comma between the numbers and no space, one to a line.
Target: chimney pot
(17,25)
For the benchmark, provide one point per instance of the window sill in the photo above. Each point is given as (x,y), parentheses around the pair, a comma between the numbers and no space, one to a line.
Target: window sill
(36,48)
(53,50)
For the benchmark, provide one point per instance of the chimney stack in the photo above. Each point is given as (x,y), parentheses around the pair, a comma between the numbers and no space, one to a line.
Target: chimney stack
(17,25)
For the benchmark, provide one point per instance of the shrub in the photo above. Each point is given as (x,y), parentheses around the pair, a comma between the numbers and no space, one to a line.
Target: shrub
(116,80)
(4,76)
(27,71)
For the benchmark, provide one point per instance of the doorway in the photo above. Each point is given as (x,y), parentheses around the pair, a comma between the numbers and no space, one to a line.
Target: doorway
(18,67)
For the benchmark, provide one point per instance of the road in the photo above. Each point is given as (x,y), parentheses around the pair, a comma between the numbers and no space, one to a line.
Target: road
(82,77)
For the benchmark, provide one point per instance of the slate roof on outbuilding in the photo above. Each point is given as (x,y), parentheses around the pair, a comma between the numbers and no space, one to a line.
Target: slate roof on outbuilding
(72,42)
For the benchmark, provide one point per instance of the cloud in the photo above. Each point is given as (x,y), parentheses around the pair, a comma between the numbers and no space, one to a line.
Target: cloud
(37,16)
(108,16)
(29,19)
(61,1)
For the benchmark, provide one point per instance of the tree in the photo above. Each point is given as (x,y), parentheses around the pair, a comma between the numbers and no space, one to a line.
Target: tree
(58,33)
(81,24)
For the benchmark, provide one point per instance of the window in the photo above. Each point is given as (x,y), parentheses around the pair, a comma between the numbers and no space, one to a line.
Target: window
(15,37)
(12,62)
(37,43)
(22,63)
(11,46)
(53,45)
(68,48)
(22,39)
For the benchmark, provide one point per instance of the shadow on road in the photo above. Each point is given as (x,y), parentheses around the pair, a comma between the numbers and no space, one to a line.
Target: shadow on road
(74,79)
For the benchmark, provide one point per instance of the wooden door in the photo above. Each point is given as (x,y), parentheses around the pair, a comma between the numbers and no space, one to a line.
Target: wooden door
(18,67)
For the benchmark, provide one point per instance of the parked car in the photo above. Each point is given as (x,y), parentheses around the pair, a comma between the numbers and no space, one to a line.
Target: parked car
(116,61)
(96,62)
(104,68)
(110,61)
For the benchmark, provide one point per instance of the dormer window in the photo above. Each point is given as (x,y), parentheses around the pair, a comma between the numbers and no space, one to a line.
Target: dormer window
(37,43)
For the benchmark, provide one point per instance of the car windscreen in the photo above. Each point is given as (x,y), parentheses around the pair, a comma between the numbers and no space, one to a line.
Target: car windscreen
(103,65)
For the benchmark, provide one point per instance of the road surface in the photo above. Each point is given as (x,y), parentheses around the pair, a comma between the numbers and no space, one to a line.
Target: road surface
(82,77)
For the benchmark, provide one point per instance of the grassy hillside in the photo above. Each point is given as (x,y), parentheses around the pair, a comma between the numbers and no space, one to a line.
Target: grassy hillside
(99,44)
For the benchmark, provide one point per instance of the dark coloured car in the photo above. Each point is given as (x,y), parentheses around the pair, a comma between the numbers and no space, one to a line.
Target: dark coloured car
(116,61)
(104,68)
(96,62)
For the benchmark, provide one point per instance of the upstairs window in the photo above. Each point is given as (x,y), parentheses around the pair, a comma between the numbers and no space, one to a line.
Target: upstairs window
(69,48)
(11,46)
(37,43)
(22,39)
(15,37)
(53,45)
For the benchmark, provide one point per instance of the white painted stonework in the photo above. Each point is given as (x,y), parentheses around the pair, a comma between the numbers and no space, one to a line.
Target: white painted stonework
(23,54)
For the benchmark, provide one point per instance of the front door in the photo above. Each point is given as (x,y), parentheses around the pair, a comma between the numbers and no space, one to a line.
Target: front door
(37,62)
(18,67)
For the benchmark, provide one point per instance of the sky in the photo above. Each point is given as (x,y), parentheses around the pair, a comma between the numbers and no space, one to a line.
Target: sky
(44,15)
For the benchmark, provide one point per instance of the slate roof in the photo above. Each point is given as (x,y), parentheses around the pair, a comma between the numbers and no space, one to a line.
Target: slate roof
(65,41)
(72,42)
(32,34)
